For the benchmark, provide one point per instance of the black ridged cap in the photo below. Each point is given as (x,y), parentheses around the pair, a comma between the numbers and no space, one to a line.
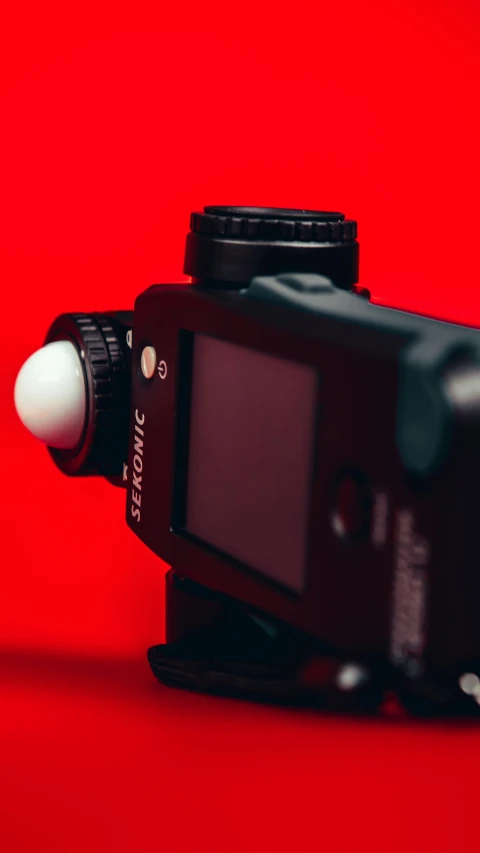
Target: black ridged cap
(102,448)
(268,223)
(231,245)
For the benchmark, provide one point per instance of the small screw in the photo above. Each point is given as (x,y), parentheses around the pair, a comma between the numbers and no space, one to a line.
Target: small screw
(351,676)
(470,684)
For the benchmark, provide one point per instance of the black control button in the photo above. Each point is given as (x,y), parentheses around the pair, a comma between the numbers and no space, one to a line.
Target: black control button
(307,282)
(352,506)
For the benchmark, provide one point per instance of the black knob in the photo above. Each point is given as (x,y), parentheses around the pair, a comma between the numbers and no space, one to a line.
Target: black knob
(228,246)
(103,342)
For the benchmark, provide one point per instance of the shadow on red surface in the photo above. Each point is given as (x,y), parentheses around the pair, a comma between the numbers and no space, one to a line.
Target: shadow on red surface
(96,755)
(132,680)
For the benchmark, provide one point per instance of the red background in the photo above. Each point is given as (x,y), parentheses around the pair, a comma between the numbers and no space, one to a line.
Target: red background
(118,120)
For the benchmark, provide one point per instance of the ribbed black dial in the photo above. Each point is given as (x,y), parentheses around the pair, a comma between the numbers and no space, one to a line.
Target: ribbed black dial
(273,223)
(227,246)
(103,345)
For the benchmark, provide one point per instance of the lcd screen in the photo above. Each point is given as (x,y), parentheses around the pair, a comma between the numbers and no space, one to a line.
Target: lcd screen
(250,457)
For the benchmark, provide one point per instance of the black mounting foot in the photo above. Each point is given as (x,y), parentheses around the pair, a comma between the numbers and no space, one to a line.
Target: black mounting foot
(217,645)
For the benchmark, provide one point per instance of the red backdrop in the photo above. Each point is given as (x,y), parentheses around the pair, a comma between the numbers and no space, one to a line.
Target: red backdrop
(118,120)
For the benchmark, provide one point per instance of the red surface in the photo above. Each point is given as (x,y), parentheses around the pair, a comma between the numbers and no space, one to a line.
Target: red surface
(118,119)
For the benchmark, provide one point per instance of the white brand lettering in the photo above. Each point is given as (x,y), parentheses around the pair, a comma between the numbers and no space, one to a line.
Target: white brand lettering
(137,466)
(380,518)
(412,555)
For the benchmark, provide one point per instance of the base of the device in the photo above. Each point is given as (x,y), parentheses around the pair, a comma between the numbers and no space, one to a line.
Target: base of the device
(216,645)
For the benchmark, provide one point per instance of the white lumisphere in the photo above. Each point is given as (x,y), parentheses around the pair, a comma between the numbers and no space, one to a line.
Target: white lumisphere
(50,395)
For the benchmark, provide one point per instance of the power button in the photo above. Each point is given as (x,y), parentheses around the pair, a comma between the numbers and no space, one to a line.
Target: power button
(352,506)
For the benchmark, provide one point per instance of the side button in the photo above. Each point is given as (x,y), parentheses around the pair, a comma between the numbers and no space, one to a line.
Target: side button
(352,506)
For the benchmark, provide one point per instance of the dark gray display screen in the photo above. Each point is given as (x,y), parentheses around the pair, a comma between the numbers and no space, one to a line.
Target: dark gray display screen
(250,457)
